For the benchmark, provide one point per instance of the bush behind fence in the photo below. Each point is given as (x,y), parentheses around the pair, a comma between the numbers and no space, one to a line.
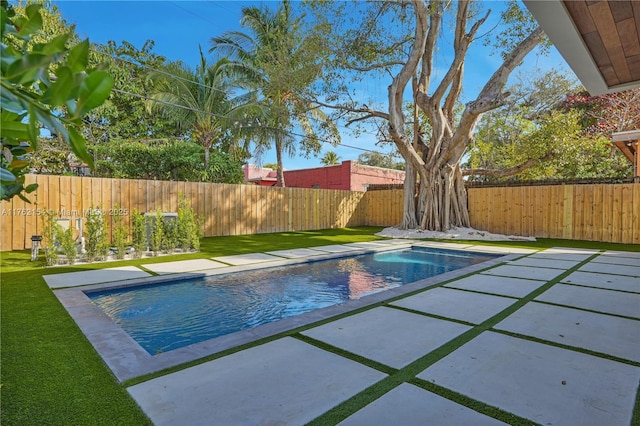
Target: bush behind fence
(601,212)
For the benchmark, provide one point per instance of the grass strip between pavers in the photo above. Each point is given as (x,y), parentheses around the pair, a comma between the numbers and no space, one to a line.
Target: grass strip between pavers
(408,373)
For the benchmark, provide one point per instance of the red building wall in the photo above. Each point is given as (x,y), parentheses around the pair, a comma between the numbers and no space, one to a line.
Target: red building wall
(349,175)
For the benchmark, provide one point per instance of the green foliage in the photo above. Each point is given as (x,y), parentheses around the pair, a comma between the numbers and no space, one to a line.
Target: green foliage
(189,229)
(120,233)
(138,233)
(377,159)
(538,123)
(53,157)
(39,80)
(519,23)
(97,245)
(573,155)
(272,166)
(67,244)
(125,116)
(164,160)
(221,169)
(330,159)
(156,225)
(170,236)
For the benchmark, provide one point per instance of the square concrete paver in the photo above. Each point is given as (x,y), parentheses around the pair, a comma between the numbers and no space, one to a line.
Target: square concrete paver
(505,286)
(600,300)
(529,272)
(450,246)
(395,241)
(542,383)
(498,249)
(296,253)
(456,304)
(568,257)
(545,263)
(246,259)
(601,333)
(571,250)
(629,254)
(364,245)
(183,266)
(389,336)
(410,405)
(608,268)
(336,248)
(617,260)
(573,255)
(74,279)
(281,382)
(613,282)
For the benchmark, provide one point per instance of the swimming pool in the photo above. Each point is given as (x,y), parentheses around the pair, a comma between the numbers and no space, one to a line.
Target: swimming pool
(167,316)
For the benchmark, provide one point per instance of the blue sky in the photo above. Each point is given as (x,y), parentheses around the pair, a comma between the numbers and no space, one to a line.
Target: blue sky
(177,27)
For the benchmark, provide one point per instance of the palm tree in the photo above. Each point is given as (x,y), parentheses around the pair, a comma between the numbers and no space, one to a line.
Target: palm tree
(281,64)
(330,158)
(202,102)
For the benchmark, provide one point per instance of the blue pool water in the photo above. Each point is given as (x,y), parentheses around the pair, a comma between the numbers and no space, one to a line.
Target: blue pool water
(168,316)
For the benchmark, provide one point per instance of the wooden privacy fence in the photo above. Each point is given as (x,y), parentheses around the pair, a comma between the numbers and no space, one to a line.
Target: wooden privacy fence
(600,212)
(593,212)
(224,209)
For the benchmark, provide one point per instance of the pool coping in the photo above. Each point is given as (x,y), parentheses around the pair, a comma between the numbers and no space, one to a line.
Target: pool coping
(127,359)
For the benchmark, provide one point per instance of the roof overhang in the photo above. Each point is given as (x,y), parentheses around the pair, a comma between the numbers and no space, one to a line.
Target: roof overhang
(600,40)
(627,142)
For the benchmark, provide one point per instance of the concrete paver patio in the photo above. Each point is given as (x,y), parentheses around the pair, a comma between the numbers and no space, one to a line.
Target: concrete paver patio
(561,348)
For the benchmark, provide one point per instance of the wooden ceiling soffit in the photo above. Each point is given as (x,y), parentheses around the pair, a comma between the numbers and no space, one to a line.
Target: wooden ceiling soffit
(611,32)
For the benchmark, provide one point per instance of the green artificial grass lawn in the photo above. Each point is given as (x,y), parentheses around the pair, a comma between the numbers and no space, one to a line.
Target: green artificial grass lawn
(50,374)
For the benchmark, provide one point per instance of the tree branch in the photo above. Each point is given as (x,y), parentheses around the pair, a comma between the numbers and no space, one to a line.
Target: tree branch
(435,18)
(462,43)
(491,96)
(376,66)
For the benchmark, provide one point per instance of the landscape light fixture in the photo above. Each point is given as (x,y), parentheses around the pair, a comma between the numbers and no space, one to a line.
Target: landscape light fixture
(35,246)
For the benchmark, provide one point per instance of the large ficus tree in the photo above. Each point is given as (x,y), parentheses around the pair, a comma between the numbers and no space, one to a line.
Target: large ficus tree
(433,136)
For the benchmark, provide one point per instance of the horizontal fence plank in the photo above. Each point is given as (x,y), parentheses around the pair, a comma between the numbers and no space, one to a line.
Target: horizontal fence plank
(596,212)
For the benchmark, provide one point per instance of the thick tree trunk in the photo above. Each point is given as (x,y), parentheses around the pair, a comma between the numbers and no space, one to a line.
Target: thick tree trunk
(445,200)
(409,218)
